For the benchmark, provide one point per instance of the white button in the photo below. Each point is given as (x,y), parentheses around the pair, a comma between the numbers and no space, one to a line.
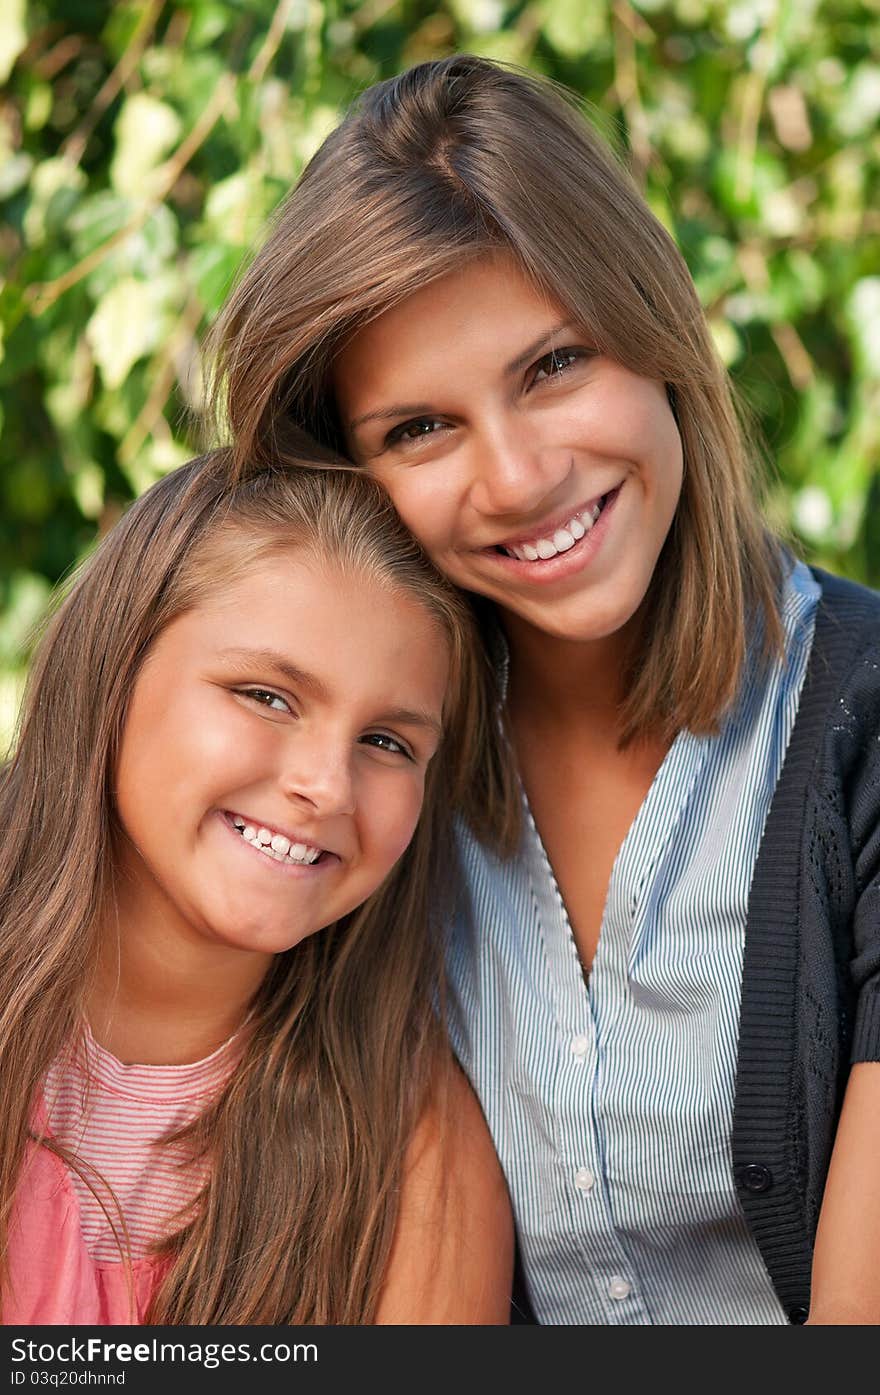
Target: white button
(584,1179)
(618,1288)
(579,1047)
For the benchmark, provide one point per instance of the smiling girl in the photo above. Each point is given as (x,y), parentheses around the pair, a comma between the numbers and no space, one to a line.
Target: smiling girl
(668,998)
(225,1096)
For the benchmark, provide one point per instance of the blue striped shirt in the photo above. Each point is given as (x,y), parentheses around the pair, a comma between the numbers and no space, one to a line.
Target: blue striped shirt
(611,1104)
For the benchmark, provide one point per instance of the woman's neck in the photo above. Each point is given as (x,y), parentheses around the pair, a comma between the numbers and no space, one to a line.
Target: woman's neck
(565,683)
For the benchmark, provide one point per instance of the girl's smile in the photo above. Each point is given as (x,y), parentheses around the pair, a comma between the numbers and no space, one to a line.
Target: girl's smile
(534,470)
(290,851)
(274,754)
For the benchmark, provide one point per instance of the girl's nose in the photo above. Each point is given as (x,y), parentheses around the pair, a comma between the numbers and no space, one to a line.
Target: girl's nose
(514,473)
(319,774)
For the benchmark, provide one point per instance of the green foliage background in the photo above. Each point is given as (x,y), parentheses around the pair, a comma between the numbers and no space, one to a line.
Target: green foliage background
(143,144)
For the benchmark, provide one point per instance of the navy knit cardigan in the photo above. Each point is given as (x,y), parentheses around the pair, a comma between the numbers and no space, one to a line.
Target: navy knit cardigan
(811,971)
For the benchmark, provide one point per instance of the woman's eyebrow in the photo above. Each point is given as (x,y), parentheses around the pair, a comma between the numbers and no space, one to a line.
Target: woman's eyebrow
(545,342)
(419,409)
(404,409)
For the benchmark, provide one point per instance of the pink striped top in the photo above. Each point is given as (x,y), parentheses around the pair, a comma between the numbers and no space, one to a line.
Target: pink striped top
(65,1262)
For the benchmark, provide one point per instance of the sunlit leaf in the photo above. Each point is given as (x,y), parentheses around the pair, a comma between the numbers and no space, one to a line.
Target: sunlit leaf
(54,189)
(88,489)
(145,132)
(126,325)
(863,310)
(13,34)
(573,27)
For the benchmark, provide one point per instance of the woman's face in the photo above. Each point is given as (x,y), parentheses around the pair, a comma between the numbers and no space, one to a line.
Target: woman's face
(273,759)
(534,471)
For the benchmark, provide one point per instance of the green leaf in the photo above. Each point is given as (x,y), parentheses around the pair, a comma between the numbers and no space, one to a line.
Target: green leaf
(145,131)
(860,109)
(235,208)
(574,26)
(863,315)
(88,489)
(127,324)
(13,34)
(55,187)
(214,267)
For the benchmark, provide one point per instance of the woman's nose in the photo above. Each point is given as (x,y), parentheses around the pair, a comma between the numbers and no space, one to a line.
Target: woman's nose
(513,472)
(319,773)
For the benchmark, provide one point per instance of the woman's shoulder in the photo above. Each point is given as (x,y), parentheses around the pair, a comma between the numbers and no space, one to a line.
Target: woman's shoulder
(848,602)
(840,701)
(846,643)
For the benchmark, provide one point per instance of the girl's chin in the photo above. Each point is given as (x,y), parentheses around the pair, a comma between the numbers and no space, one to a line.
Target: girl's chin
(263,941)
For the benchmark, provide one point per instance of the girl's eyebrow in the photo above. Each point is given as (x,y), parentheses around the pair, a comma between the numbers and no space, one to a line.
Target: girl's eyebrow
(308,682)
(419,409)
(271,658)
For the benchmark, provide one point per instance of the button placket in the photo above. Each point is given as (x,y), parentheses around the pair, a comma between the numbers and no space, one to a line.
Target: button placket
(584,1179)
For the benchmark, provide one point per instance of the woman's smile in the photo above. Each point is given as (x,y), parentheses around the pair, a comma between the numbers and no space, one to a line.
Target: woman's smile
(560,548)
(534,470)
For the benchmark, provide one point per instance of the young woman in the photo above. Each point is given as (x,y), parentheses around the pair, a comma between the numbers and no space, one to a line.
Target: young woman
(225,1094)
(668,999)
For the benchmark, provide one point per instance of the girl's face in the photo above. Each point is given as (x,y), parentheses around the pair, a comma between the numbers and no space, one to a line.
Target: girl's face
(533,470)
(273,759)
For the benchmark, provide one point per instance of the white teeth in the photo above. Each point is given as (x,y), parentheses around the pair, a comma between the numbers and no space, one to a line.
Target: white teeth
(562,539)
(275,845)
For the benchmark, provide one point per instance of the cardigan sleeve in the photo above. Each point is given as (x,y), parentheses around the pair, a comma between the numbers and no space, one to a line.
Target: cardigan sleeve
(862,707)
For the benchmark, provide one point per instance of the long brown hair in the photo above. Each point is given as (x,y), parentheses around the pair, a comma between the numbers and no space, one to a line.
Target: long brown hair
(454,159)
(306,1141)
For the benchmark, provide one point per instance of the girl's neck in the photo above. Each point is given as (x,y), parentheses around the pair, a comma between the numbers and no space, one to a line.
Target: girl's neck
(139,1033)
(163,997)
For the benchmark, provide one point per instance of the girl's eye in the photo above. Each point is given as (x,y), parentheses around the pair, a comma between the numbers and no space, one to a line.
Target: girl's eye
(381,741)
(266,698)
(415,430)
(555,363)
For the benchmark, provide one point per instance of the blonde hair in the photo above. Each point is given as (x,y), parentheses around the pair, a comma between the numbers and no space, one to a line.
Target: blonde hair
(456,159)
(306,1141)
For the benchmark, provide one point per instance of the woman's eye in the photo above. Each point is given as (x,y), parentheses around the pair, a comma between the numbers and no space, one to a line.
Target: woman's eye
(414,430)
(381,741)
(556,362)
(266,698)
